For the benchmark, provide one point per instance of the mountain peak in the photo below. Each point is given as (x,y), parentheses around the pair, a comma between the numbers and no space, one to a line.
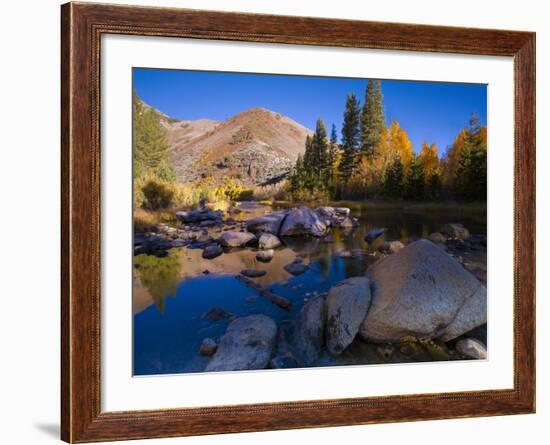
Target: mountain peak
(256,146)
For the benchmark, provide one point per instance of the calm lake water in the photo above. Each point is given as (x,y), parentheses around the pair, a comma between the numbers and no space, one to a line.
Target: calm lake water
(170,294)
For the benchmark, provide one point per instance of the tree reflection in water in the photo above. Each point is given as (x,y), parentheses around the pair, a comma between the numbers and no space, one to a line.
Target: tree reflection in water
(159,275)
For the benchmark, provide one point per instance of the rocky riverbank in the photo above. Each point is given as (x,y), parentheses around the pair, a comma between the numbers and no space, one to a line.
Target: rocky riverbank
(421,299)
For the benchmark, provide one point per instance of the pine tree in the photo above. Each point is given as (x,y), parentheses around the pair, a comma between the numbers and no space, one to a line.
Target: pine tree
(471,173)
(393,178)
(308,153)
(372,118)
(319,148)
(350,137)
(332,167)
(150,147)
(333,147)
(477,174)
(415,180)
(434,184)
(297,177)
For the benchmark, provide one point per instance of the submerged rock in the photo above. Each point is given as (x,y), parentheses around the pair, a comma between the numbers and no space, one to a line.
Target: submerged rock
(309,328)
(265,256)
(208,347)
(303,222)
(212,251)
(456,230)
(268,241)
(471,348)
(248,343)
(267,223)
(297,267)
(236,239)
(265,292)
(253,273)
(216,314)
(422,292)
(375,233)
(347,306)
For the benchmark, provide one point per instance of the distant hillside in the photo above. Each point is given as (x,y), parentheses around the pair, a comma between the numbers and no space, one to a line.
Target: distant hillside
(257,146)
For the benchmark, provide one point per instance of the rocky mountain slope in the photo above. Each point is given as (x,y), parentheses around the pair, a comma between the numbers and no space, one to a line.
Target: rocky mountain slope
(257,146)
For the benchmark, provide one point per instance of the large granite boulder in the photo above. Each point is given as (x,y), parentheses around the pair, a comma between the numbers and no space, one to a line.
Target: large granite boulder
(267,223)
(248,343)
(347,306)
(309,329)
(422,292)
(236,239)
(303,222)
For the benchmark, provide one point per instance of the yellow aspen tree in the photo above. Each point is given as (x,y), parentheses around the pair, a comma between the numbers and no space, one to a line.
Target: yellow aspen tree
(429,158)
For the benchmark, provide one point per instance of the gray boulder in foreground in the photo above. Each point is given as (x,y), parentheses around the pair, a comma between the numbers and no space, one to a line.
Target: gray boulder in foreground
(236,239)
(471,348)
(248,343)
(347,306)
(422,292)
(303,222)
(267,223)
(309,328)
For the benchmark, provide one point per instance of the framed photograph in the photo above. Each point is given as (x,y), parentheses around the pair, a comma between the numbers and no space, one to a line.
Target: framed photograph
(275,222)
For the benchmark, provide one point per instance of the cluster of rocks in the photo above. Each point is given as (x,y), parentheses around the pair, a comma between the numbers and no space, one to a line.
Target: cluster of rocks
(418,295)
(265,233)
(419,292)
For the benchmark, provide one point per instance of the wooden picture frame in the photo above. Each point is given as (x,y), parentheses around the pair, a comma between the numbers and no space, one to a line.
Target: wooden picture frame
(82,25)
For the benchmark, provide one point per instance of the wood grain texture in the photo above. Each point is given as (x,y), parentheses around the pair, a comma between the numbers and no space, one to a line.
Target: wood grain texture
(81,28)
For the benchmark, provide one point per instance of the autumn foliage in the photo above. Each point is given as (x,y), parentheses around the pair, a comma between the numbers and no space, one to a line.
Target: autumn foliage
(375,160)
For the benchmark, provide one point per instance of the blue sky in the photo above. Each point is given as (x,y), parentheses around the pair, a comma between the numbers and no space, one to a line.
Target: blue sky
(431,111)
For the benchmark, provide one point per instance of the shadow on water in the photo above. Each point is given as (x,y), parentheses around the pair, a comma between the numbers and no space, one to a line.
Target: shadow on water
(172,293)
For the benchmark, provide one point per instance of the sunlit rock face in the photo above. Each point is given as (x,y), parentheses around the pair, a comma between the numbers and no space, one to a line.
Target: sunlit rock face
(422,292)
